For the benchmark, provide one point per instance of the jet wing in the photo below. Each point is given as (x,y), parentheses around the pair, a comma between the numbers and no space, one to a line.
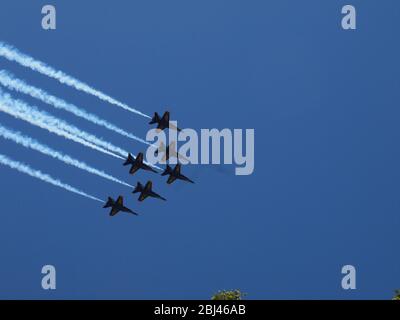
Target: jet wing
(113,212)
(134,169)
(177,169)
(165,117)
(186,179)
(125,209)
(149,186)
(171,179)
(120,201)
(146,167)
(143,196)
(140,157)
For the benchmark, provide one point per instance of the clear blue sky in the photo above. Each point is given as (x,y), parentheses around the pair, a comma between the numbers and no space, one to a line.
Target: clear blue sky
(325,106)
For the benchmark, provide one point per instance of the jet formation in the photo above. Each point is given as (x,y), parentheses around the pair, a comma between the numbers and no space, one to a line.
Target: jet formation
(137,163)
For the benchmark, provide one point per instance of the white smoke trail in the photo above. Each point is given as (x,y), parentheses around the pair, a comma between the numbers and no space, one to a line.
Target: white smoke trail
(14,54)
(33,114)
(11,82)
(33,144)
(21,167)
(26,117)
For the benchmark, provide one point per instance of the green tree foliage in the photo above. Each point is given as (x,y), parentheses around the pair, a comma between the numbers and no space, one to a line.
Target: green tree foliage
(228,295)
(397,296)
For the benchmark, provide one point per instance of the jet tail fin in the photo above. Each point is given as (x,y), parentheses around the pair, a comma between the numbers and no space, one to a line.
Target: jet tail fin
(139,157)
(168,170)
(138,188)
(155,119)
(129,160)
(109,203)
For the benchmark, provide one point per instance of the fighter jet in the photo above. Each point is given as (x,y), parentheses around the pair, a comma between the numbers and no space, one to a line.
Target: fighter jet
(163,123)
(175,174)
(117,206)
(146,191)
(169,152)
(137,163)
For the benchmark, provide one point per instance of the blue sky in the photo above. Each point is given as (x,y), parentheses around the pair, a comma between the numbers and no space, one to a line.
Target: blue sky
(324,106)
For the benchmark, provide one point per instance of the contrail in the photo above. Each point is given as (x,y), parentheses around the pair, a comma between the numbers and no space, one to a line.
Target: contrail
(23,111)
(32,113)
(15,55)
(33,144)
(9,81)
(20,114)
(21,167)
